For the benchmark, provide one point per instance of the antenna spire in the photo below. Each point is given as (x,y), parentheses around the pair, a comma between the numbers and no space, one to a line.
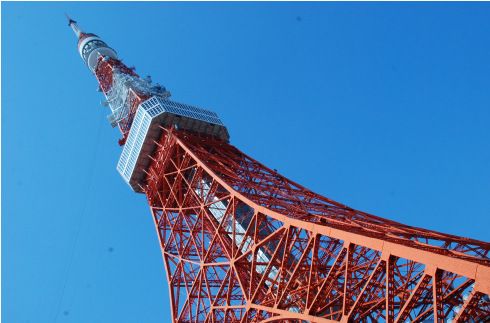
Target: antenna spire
(73,24)
(69,20)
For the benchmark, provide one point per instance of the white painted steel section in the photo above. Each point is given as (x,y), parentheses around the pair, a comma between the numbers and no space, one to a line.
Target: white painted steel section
(157,105)
(118,97)
(76,28)
(94,55)
(133,145)
(145,130)
(85,41)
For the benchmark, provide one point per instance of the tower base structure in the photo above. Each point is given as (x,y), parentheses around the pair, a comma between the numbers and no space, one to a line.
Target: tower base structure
(241,243)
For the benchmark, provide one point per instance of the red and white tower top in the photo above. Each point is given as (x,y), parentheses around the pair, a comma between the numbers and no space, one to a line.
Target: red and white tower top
(138,108)
(90,45)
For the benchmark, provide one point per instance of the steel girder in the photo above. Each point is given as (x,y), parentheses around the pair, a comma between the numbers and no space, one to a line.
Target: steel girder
(241,243)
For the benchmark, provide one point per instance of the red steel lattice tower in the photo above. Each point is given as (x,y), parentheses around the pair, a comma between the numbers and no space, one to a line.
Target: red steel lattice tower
(241,243)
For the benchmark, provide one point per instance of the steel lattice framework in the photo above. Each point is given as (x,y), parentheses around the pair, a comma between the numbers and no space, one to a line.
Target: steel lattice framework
(241,243)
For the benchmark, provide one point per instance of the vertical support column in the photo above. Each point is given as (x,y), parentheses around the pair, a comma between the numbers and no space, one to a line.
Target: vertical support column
(348,278)
(390,289)
(438,297)
(313,270)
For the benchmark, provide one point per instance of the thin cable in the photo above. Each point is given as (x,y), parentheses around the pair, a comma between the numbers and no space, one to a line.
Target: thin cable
(84,249)
(81,217)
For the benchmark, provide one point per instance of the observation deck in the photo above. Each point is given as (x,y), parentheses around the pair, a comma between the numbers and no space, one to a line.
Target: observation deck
(145,130)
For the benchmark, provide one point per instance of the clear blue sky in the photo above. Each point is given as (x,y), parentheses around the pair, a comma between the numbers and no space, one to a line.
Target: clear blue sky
(384,107)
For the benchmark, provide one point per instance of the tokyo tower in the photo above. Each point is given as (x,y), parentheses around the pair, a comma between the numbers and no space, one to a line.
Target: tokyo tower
(242,243)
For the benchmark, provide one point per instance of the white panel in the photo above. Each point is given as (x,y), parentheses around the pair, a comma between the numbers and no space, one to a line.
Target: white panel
(157,111)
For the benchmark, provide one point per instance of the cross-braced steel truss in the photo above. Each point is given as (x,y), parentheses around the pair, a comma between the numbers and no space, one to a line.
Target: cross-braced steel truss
(241,243)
